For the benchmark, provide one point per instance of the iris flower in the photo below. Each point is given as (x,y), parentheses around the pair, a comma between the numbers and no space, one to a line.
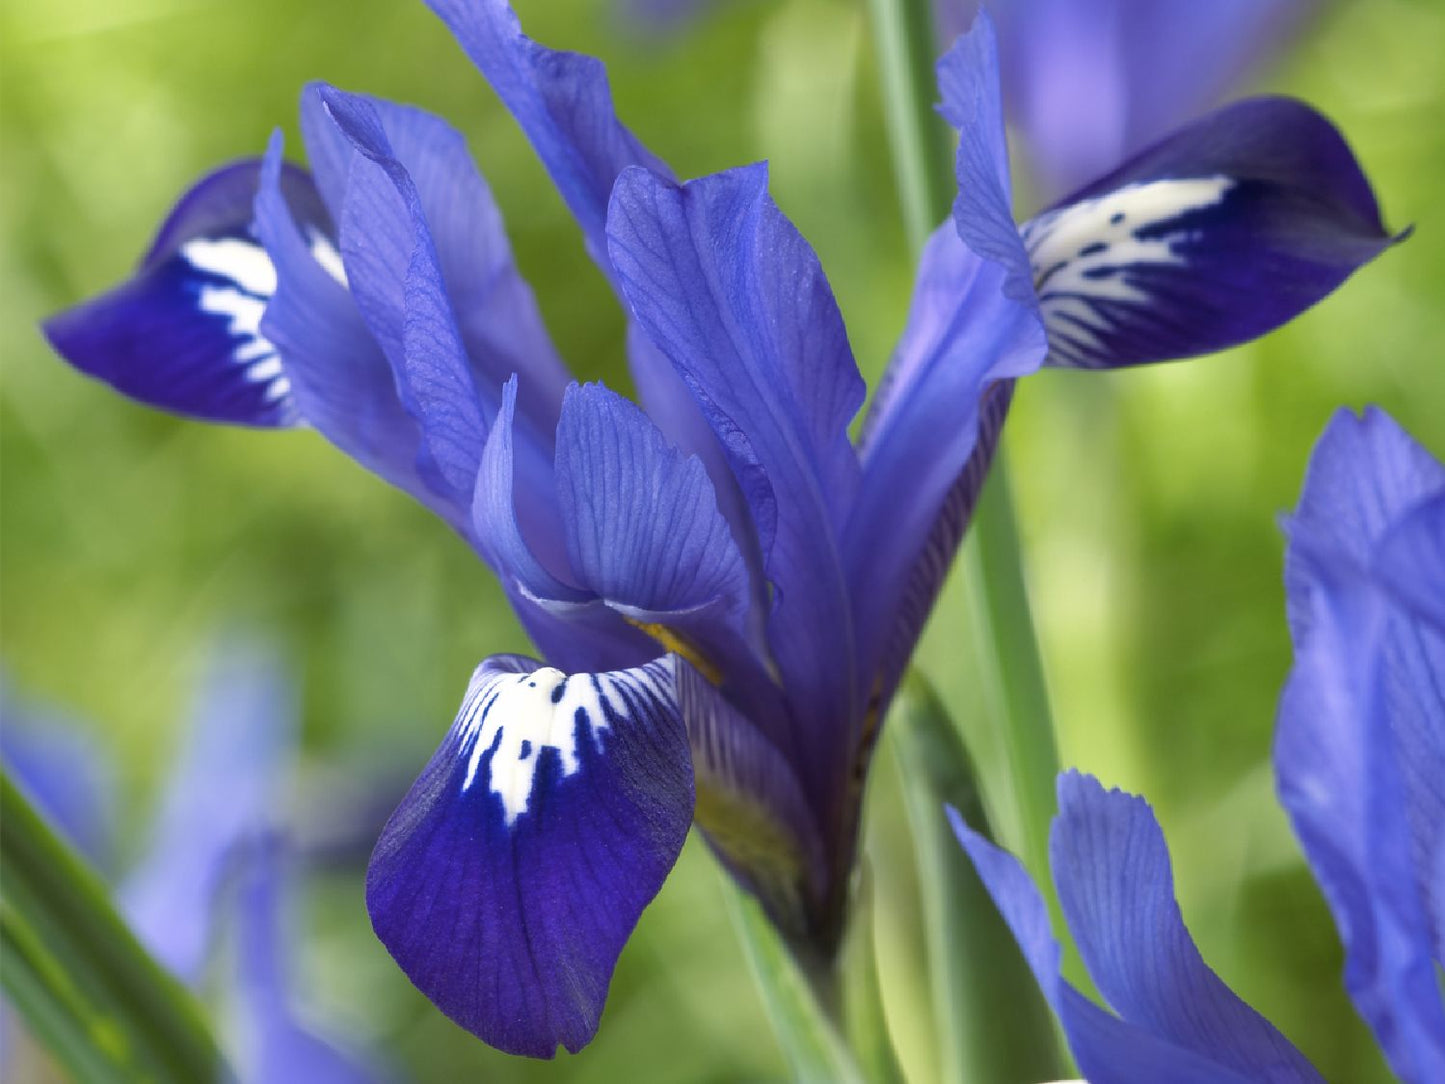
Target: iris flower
(725,589)
(217,865)
(1360,764)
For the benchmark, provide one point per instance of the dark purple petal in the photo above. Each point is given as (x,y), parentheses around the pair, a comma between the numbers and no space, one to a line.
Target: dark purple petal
(732,294)
(1116,888)
(340,380)
(1089,83)
(751,807)
(1359,745)
(494,309)
(1108,1050)
(222,790)
(983,211)
(184,334)
(274,1045)
(509,878)
(562,101)
(1223,231)
(928,441)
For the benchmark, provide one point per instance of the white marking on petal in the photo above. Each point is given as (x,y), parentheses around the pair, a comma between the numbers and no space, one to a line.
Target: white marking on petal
(324,252)
(516,716)
(243,262)
(1082,254)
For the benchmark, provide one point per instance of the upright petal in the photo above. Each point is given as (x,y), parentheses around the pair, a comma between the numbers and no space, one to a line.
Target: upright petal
(727,288)
(1360,739)
(185,334)
(509,878)
(1215,235)
(1109,1050)
(1115,884)
(223,789)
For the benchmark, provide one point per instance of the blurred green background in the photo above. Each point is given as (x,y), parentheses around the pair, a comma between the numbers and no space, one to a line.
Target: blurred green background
(1149,499)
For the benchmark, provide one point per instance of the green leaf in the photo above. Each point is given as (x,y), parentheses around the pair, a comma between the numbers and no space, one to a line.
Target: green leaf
(105,1009)
(991,1019)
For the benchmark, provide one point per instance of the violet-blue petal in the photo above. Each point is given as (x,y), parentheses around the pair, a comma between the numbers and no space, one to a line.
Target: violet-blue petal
(341,381)
(222,789)
(184,334)
(1360,740)
(928,440)
(751,807)
(274,1046)
(562,101)
(732,294)
(1090,82)
(495,312)
(1108,1050)
(968,81)
(1221,232)
(1116,888)
(509,878)
(1410,561)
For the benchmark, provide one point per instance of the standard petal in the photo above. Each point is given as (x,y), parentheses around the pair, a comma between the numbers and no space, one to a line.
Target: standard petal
(184,334)
(729,291)
(562,101)
(1221,232)
(1108,1050)
(223,789)
(1116,888)
(928,442)
(509,878)
(1359,746)
(495,312)
(340,379)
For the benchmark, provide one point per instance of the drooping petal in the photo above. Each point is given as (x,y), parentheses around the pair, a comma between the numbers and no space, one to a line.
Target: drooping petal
(274,1045)
(1108,1050)
(1116,888)
(510,876)
(928,442)
(222,790)
(184,334)
(1090,82)
(1360,739)
(1217,234)
(341,381)
(495,312)
(728,289)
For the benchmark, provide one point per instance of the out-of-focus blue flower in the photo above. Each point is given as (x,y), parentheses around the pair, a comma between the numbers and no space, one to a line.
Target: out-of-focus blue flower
(214,866)
(1360,763)
(1090,82)
(726,590)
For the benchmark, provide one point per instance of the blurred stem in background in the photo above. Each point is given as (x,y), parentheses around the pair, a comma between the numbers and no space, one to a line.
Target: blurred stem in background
(971,975)
(103,1007)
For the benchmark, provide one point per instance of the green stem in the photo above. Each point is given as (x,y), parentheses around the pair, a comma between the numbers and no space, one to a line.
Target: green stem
(974,964)
(105,1009)
(1005,642)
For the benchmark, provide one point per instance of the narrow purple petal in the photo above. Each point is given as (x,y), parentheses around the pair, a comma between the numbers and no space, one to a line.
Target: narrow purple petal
(728,289)
(184,334)
(341,381)
(1221,232)
(222,790)
(1108,1050)
(1116,888)
(509,878)
(1360,739)
(928,441)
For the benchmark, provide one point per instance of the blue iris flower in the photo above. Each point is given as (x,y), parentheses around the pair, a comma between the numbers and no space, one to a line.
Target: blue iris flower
(725,588)
(218,865)
(1359,760)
